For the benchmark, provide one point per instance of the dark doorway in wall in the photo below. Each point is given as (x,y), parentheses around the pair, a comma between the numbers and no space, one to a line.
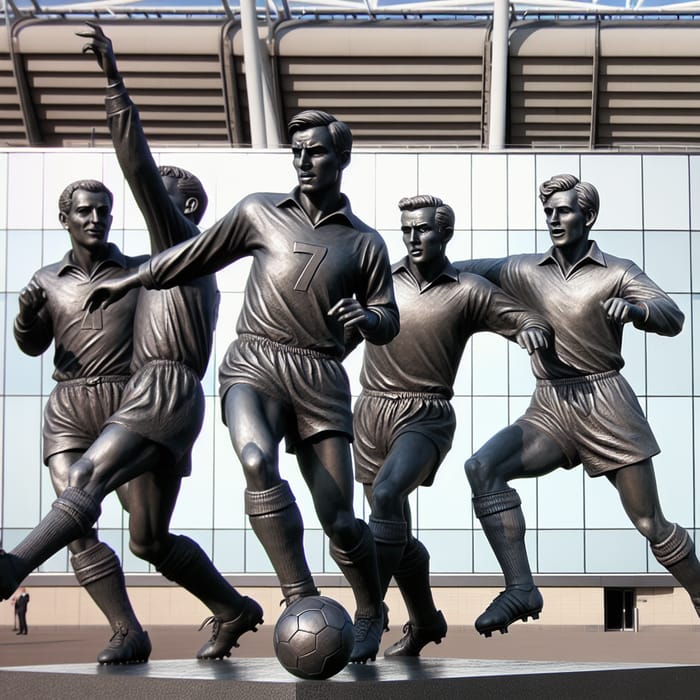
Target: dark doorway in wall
(620,604)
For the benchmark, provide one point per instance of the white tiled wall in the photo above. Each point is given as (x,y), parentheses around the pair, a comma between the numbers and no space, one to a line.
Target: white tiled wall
(650,212)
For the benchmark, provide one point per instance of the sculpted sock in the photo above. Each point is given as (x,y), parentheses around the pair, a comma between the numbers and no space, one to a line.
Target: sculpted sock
(99,572)
(276,520)
(71,516)
(413,579)
(390,542)
(677,554)
(504,526)
(188,565)
(359,566)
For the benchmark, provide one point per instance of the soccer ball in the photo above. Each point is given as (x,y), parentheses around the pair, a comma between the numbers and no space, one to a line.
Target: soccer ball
(314,637)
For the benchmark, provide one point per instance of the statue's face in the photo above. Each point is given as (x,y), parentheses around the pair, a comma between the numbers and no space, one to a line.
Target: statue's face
(315,160)
(424,242)
(566,220)
(89,219)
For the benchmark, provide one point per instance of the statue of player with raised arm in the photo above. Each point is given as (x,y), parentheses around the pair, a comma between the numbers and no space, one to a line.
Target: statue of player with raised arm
(317,270)
(148,439)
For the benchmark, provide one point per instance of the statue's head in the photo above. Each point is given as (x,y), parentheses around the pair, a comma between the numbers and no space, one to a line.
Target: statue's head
(185,190)
(339,131)
(571,208)
(85,211)
(586,194)
(427,224)
(321,145)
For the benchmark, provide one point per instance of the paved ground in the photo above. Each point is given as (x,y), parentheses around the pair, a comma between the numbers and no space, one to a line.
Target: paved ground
(531,641)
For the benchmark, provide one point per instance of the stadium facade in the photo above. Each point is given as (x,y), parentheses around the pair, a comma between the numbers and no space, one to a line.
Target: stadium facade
(634,134)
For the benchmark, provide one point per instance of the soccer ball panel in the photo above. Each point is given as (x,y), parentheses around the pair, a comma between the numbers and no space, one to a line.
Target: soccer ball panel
(313,638)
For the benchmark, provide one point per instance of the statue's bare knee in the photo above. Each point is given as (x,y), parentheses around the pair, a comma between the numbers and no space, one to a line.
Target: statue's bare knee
(476,472)
(340,526)
(653,529)
(259,468)
(81,474)
(147,548)
(387,502)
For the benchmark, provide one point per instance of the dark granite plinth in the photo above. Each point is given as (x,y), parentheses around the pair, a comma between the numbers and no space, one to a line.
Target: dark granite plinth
(422,679)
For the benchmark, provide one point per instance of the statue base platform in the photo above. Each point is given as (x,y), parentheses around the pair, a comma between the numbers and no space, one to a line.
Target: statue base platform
(265,679)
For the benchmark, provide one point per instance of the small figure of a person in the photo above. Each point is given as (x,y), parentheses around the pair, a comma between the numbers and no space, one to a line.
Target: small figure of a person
(21,605)
(13,600)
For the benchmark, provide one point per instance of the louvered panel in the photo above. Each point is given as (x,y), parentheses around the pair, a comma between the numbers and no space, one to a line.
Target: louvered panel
(350,85)
(390,100)
(409,83)
(652,100)
(371,135)
(396,66)
(154,116)
(164,129)
(151,99)
(241,98)
(179,98)
(656,135)
(12,130)
(375,108)
(170,66)
(550,100)
(136,83)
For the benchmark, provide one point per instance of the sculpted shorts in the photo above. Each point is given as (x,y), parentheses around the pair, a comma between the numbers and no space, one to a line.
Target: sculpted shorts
(164,402)
(379,419)
(77,410)
(312,387)
(596,420)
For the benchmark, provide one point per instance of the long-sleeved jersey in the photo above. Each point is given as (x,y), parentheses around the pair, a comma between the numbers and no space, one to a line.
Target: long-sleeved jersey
(585,341)
(299,271)
(174,324)
(436,323)
(86,344)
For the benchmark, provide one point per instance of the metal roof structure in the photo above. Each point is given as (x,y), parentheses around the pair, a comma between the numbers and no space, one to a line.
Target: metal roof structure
(619,74)
(289,9)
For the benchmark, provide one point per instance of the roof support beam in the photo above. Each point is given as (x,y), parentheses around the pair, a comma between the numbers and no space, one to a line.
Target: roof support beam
(29,117)
(595,87)
(232,107)
(499,76)
(253,74)
(264,132)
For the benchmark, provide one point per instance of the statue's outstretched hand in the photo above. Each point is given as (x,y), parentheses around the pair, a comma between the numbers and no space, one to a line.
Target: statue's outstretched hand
(351,313)
(620,310)
(533,338)
(106,293)
(100,45)
(31,299)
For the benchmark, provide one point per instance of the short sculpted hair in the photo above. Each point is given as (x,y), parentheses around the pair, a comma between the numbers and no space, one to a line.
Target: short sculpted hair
(586,194)
(339,131)
(444,215)
(65,201)
(189,185)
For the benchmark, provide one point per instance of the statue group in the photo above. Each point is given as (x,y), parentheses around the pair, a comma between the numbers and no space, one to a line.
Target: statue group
(133,335)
